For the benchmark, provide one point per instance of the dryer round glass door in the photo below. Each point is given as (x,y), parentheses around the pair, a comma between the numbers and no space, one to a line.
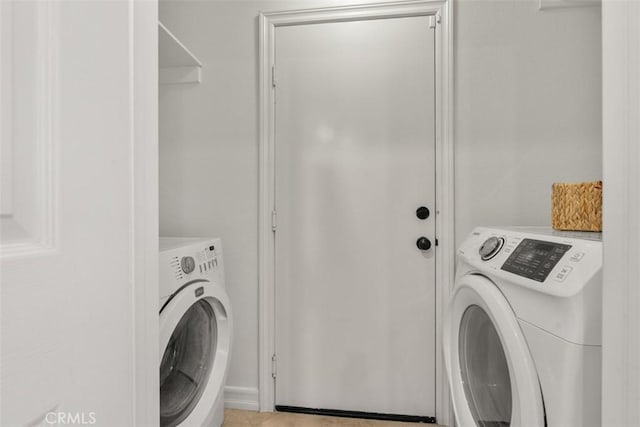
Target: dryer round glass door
(491,372)
(186,363)
(195,343)
(483,365)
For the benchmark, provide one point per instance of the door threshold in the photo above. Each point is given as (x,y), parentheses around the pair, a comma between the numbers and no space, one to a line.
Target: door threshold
(356,414)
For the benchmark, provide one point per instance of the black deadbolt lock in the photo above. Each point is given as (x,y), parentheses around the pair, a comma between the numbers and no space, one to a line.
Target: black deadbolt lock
(423,244)
(422,212)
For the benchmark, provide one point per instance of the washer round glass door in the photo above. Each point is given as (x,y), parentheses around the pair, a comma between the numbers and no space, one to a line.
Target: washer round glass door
(186,363)
(491,373)
(195,331)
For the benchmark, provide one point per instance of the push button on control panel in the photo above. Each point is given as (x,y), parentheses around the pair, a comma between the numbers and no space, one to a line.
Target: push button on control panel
(510,245)
(563,273)
(576,257)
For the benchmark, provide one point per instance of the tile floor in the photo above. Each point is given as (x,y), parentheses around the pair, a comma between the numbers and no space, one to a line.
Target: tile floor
(238,418)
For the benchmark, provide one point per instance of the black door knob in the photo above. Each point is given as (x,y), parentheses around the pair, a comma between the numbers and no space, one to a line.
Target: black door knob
(423,244)
(422,212)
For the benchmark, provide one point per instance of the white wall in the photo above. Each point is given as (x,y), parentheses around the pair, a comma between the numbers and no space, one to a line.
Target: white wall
(528,113)
(527,109)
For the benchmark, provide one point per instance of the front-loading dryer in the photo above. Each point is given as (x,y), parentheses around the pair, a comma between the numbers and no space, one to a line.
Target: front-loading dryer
(195,332)
(522,333)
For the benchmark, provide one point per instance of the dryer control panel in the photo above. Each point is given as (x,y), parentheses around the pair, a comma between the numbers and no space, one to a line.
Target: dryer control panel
(534,259)
(549,261)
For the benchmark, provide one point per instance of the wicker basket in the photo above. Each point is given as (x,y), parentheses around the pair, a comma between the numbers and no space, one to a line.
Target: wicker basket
(577,206)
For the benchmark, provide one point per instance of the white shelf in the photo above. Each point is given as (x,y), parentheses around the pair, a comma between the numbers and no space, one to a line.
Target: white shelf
(177,63)
(563,4)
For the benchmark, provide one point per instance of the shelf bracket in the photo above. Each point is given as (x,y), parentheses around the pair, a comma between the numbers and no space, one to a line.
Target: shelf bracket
(177,63)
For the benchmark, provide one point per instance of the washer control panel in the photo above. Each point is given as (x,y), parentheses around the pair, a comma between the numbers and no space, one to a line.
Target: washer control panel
(199,262)
(185,259)
(534,259)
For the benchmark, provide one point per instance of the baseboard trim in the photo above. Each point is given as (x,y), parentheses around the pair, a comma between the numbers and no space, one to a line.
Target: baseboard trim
(241,398)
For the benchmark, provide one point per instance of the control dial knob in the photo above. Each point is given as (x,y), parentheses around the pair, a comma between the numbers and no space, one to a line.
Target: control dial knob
(188,264)
(490,248)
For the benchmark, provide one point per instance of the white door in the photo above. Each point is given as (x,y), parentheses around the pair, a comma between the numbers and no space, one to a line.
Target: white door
(67,243)
(355,296)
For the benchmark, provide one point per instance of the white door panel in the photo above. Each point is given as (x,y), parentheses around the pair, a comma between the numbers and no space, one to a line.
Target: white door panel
(355,298)
(67,273)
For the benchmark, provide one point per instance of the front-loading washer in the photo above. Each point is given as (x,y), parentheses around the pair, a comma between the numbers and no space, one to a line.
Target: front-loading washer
(195,332)
(522,333)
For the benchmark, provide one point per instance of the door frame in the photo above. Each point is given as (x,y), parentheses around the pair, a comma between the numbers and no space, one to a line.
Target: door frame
(621,210)
(441,10)
(143,140)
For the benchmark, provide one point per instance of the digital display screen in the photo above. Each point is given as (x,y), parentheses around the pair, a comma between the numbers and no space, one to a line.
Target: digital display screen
(534,259)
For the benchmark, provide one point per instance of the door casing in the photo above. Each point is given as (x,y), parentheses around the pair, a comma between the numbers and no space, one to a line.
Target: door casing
(441,10)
